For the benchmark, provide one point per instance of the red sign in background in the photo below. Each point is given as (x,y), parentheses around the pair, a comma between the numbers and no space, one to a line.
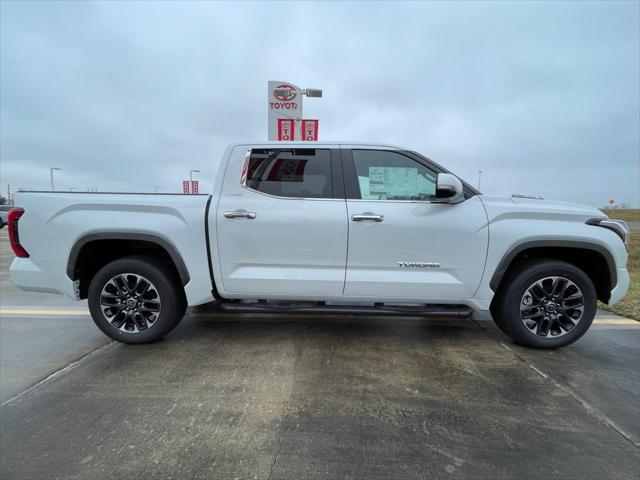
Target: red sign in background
(310,130)
(185,187)
(194,187)
(286,129)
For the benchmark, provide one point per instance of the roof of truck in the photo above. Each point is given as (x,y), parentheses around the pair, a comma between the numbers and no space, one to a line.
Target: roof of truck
(348,144)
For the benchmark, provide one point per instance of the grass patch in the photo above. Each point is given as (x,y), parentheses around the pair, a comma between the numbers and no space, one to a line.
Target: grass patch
(628,214)
(629,306)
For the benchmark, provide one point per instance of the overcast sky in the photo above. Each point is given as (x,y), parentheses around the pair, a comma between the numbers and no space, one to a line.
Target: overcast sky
(543,97)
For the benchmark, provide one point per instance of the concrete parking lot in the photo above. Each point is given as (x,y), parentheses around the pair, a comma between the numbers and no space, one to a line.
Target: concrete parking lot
(311,397)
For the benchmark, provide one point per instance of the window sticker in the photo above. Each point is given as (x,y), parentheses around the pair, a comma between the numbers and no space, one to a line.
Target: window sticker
(390,182)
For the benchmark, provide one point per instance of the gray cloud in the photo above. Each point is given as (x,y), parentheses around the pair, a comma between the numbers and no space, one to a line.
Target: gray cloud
(542,97)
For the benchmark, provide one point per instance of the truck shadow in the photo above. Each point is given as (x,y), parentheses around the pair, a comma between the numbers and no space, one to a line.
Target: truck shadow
(205,321)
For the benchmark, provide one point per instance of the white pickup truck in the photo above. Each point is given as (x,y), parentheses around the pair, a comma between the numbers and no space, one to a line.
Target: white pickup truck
(328,228)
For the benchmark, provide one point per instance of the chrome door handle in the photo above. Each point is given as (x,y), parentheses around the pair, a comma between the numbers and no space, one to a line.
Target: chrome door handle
(240,214)
(367,216)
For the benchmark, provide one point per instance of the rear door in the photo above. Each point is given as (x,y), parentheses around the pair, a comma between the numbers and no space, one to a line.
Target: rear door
(402,244)
(282,224)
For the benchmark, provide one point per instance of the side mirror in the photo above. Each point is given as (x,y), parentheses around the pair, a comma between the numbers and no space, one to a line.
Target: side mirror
(449,188)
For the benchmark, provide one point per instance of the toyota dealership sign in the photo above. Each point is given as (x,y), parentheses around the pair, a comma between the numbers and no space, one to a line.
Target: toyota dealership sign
(285,94)
(285,114)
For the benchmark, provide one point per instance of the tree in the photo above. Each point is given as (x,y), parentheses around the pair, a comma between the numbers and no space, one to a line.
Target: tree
(3,200)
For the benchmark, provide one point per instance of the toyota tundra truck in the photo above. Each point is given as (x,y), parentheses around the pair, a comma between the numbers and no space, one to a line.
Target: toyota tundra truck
(328,228)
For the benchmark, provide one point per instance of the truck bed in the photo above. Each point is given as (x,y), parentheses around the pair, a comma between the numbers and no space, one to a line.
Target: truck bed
(54,222)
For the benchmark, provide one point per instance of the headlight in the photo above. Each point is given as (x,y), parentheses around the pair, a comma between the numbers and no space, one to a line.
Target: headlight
(620,227)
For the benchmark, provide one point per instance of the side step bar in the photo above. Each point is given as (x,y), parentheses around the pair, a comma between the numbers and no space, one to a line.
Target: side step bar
(449,311)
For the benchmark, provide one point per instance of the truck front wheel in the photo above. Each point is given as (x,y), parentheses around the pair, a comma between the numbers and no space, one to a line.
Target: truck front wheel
(136,299)
(546,303)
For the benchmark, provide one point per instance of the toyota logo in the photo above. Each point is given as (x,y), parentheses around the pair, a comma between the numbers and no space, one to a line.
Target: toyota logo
(287,97)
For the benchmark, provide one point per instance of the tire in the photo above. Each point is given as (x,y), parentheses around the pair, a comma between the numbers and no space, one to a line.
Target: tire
(159,309)
(2,224)
(496,314)
(545,303)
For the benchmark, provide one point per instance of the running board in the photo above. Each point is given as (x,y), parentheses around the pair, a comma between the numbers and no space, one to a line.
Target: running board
(449,311)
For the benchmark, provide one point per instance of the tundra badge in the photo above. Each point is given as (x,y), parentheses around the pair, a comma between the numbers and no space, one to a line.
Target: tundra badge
(418,264)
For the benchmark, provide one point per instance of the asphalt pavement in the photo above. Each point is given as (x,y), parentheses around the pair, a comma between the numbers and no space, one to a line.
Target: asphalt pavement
(272,397)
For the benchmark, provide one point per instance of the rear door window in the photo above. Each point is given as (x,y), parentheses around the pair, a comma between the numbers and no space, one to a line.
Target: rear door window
(295,173)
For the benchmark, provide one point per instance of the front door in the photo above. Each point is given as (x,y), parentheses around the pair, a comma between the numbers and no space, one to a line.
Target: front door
(282,224)
(402,244)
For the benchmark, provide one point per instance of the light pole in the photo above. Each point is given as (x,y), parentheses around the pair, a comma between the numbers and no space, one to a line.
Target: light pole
(51,174)
(479,178)
(309,92)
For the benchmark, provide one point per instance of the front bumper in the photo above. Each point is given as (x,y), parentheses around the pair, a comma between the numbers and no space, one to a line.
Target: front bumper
(621,287)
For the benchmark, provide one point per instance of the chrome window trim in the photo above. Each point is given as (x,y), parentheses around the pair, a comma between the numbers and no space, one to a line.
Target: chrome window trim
(398,201)
(291,198)
(245,168)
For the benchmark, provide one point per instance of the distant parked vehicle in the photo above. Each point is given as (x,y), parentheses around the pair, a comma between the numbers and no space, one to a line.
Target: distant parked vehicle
(4,212)
(324,228)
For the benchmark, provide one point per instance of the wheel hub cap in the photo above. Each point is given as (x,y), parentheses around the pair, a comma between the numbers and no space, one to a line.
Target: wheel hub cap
(552,306)
(130,303)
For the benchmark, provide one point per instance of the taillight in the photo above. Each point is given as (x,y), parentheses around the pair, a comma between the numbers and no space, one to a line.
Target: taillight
(14,238)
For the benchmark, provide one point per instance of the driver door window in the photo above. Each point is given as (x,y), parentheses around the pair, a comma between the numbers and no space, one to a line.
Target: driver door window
(384,175)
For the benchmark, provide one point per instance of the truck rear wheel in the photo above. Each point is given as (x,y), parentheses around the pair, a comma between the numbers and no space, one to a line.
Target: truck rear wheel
(546,303)
(136,299)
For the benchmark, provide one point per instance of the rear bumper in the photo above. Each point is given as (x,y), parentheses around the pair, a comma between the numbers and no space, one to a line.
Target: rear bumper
(28,276)
(621,287)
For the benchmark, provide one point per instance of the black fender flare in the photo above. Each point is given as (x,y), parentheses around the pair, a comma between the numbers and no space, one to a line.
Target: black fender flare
(508,257)
(159,240)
